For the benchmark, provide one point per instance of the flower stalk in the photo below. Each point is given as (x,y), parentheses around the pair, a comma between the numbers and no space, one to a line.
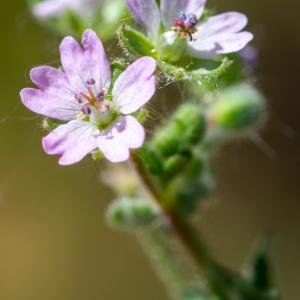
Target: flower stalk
(180,228)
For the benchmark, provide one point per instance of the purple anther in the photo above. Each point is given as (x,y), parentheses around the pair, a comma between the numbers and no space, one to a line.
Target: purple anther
(78,98)
(182,16)
(91,82)
(101,95)
(85,109)
(192,20)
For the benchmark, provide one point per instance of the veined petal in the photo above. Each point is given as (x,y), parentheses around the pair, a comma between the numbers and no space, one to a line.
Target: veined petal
(220,35)
(51,105)
(82,64)
(147,14)
(72,141)
(170,9)
(49,78)
(125,134)
(135,86)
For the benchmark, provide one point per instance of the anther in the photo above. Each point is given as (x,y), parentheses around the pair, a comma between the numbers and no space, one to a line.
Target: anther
(101,95)
(182,16)
(192,20)
(91,82)
(78,98)
(85,109)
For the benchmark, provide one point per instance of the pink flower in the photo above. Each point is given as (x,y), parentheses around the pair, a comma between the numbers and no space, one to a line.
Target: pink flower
(53,8)
(220,34)
(79,95)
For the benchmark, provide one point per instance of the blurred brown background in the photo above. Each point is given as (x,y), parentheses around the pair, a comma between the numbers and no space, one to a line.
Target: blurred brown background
(54,243)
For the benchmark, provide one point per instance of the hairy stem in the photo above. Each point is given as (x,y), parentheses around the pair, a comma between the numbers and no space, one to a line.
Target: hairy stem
(188,237)
(179,226)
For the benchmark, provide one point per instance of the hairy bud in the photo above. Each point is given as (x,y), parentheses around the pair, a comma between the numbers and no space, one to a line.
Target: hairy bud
(238,108)
(132,213)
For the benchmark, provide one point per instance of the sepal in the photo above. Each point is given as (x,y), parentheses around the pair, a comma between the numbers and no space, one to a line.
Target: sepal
(133,43)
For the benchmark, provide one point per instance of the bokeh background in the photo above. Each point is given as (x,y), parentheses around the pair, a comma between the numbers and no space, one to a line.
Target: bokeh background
(54,243)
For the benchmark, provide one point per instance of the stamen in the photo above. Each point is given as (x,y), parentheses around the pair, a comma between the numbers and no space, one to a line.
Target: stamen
(185,25)
(182,16)
(192,20)
(85,109)
(78,98)
(84,96)
(101,95)
(91,82)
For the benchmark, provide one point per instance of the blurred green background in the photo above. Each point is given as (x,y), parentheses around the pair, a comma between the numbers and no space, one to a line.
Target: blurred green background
(54,243)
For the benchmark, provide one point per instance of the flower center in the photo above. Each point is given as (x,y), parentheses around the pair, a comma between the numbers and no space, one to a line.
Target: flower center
(94,106)
(185,25)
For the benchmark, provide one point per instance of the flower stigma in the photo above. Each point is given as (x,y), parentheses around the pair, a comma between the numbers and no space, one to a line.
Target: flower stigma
(185,25)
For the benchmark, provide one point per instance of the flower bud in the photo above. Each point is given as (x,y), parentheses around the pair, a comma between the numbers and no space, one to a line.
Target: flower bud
(174,164)
(191,186)
(184,131)
(132,213)
(237,108)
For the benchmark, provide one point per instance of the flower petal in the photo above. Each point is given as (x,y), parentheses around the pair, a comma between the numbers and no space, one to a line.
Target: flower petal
(125,134)
(220,35)
(72,141)
(147,14)
(135,86)
(50,105)
(82,64)
(170,9)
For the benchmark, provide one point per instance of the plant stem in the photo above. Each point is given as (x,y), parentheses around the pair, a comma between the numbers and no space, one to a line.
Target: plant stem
(188,237)
(179,226)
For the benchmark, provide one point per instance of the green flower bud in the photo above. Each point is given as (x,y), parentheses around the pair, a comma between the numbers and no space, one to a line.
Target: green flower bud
(190,187)
(174,164)
(151,159)
(185,130)
(132,213)
(238,108)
